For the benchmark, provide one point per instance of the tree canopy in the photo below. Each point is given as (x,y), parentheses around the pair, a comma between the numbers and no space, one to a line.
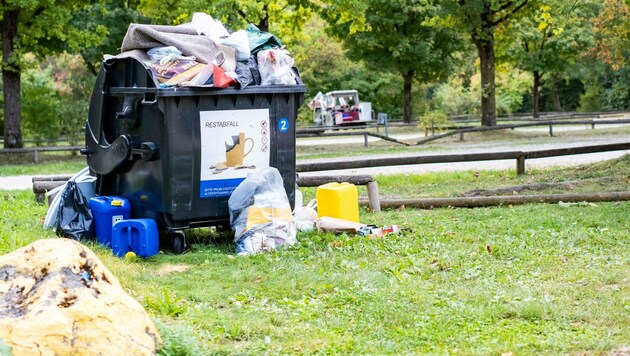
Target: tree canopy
(404,36)
(574,54)
(41,28)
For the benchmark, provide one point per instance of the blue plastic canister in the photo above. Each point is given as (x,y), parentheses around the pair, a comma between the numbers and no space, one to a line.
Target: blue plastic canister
(106,211)
(137,235)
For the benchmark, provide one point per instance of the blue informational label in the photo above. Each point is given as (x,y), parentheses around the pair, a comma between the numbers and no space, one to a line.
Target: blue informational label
(219,188)
(283,125)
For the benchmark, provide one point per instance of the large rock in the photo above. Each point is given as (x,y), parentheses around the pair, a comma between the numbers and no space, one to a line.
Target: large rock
(57,298)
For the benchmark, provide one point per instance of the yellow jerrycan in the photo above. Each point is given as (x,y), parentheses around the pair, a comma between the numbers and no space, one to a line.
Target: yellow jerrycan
(338,200)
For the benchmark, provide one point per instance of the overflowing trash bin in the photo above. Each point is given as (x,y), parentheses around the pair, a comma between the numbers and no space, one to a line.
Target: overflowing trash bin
(176,152)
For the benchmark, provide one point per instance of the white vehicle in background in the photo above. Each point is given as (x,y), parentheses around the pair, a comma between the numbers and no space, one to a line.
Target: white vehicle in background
(339,108)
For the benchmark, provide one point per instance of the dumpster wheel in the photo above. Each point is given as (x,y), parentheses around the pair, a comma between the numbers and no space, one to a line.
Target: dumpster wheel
(178,240)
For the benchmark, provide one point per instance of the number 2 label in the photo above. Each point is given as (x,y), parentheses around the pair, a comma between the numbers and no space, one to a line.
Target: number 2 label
(283,125)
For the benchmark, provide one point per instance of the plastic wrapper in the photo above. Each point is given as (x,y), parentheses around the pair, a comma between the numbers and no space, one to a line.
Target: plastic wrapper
(165,54)
(170,67)
(275,66)
(305,216)
(204,24)
(244,75)
(74,217)
(253,68)
(239,41)
(260,213)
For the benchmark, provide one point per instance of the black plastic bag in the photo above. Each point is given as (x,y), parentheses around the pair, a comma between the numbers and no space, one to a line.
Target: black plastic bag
(244,75)
(253,67)
(74,217)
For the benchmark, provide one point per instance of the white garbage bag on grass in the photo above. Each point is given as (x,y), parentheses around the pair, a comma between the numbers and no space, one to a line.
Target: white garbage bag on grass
(260,213)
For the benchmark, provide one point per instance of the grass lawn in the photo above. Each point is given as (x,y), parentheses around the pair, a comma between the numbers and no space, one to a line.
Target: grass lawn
(529,279)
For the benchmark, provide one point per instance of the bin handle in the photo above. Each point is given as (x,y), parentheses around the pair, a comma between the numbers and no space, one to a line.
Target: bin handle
(149,98)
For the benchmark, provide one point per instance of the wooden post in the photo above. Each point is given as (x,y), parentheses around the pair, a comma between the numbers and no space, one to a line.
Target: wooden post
(365,140)
(551,130)
(373,197)
(461,136)
(36,156)
(520,165)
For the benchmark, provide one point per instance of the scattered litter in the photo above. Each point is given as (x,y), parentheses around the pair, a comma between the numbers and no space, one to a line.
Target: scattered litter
(260,213)
(305,216)
(337,225)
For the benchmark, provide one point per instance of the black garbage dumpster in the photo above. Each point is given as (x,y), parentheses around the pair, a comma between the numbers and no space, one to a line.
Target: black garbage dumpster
(178,153)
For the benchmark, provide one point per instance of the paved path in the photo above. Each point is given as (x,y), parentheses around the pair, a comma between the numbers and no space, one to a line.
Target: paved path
(459,148)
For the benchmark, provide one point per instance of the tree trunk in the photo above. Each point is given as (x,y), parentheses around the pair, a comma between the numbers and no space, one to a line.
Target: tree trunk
(263,24)
(407,78)
(557,106)
(485,47)
(11,81)
(536,95)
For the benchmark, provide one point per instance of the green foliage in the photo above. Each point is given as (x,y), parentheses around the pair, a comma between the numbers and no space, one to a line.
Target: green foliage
(46,26)
(455,99)
(178,340)
(284,18)
(113,17)
(74,85)
(434,120)
(56,93)
(21,219)
(166,304)
(324,67)
(404,37)
(40,108)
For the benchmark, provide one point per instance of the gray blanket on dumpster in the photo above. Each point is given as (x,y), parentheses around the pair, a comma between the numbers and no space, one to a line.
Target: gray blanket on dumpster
(185,38)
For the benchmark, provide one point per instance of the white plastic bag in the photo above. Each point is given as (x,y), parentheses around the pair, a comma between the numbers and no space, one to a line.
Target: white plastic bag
(275,66)
(204,24)
(50,222)
(305,216)
(260,213)
(240,42)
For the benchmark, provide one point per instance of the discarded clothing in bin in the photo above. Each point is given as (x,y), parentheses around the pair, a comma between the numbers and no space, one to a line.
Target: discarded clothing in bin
(183,37)
(260,213)
(259,40)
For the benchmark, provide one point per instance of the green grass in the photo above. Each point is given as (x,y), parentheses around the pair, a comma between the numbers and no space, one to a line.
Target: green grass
(530,279)
(49,164)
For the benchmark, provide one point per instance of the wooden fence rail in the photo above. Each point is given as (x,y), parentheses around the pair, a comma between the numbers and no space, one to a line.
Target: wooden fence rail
(519,156)
(36,150)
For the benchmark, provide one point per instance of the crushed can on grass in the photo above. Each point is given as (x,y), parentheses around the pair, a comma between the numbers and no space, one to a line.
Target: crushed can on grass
(107,210)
